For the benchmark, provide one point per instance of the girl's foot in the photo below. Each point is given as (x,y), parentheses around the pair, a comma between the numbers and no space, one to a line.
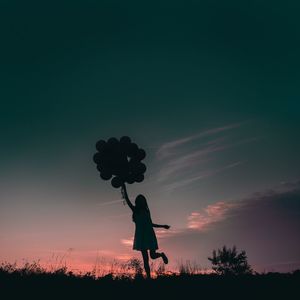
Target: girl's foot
(164,257)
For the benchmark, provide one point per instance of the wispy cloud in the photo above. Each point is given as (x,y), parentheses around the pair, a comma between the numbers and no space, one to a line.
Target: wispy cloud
(185,163)
(195,158)
(109,202)
(168,148)
(162,233)
(202,175)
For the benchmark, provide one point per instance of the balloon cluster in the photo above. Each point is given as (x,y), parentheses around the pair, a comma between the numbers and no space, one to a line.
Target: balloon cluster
(120,160)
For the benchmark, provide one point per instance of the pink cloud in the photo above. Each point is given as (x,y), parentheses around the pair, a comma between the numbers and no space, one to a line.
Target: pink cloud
(162,233)
(127,242)
(201,220)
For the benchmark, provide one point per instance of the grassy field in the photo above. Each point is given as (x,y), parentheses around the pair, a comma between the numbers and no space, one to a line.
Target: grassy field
(34,282)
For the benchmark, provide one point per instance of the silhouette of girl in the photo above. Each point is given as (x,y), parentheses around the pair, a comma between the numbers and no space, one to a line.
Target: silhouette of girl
(144,237)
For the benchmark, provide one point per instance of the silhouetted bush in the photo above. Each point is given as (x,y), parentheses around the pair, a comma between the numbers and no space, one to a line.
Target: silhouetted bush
(227,261)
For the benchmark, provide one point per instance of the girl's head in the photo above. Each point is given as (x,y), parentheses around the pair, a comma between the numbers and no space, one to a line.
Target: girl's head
(140,206)
(141,203)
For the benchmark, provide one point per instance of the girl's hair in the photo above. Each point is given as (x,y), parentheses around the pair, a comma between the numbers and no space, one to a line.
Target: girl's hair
(140,205)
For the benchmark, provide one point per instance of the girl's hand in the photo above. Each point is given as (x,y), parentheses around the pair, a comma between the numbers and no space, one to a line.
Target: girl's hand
(166,226)
(123,191)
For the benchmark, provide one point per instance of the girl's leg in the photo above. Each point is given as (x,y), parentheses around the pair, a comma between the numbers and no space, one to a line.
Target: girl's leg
(146,262)
(155,255)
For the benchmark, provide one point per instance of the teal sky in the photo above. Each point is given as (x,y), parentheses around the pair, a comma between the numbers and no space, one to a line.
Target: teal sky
(210,89)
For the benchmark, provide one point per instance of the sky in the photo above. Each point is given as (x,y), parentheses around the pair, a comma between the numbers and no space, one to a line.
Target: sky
(210,89)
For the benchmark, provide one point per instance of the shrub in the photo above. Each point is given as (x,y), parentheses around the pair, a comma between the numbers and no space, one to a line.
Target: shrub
(227,261)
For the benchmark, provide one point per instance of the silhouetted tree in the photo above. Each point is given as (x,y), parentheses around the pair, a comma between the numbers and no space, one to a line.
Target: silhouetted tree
(228,261)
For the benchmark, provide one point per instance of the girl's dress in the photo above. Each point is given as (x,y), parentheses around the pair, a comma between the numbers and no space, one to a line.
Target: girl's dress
(144,237)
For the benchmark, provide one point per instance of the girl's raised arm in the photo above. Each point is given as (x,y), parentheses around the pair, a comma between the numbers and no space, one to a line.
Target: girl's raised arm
(161,226)
(125,196)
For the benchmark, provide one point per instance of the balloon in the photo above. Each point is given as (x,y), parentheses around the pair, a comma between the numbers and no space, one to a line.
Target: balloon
(109,159)
(120,160)
(139,178)
(100,145)
(100,168)
(141,154)
(112,141)
(132,150)
(96,158)
(124,148)
(130,179)
(105,175)
(141,168)
(125,140)
(123,170)
(137,167)
(116,182)
(133,163)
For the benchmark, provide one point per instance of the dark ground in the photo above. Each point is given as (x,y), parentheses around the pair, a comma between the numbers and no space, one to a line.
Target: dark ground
(64,286)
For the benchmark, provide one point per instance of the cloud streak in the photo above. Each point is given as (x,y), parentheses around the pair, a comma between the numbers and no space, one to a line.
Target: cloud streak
(185,161)
(167,149)
(202,175)
(109,202)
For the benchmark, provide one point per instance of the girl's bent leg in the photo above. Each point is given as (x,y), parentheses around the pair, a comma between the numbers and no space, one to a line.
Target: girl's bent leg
(146,262)
(155,255)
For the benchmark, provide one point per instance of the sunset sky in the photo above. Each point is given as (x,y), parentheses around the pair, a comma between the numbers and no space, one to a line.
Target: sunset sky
(210,89)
